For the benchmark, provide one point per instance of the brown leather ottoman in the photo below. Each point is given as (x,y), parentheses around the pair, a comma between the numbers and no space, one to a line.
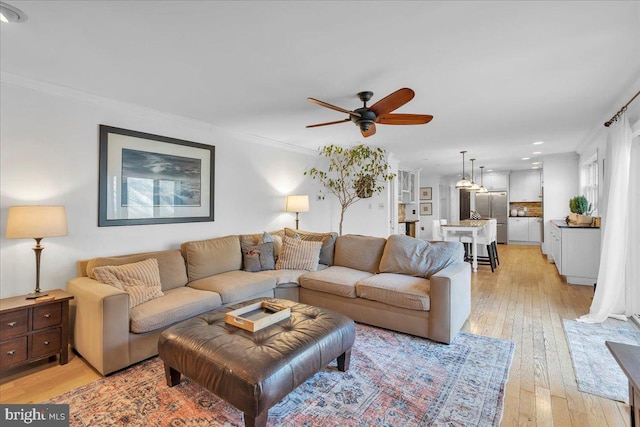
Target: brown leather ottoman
(254,370)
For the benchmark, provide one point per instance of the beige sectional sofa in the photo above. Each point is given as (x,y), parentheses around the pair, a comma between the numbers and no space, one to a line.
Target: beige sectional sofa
(400,283)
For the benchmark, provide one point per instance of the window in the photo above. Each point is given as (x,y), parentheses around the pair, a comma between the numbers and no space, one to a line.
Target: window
(589,180)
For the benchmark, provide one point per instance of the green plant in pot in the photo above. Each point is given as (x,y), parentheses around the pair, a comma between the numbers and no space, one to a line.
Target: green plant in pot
(353,173)
(580,210)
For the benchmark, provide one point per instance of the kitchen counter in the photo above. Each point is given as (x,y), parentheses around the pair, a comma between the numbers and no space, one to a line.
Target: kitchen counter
(563,224)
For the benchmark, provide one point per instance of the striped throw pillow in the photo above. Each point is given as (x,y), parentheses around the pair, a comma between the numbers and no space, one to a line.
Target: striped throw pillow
(298,254)
(141,280)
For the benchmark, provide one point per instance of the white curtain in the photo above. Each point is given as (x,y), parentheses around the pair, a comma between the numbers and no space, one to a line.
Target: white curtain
(633,255)
(618,244)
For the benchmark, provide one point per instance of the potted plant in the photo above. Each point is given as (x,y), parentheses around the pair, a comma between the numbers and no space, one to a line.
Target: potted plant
(353,173)
(580,210)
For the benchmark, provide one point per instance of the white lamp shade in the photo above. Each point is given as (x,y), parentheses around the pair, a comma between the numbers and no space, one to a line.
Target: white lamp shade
(36,222)
(298,203)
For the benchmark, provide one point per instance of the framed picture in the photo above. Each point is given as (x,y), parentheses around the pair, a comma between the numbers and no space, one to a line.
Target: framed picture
(151,179)
(425,193)
(425,209)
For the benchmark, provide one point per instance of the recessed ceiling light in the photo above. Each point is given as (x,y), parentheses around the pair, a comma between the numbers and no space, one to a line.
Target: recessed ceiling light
(537,152)
(535,163)
(526,158)
(535,167)
(489,170)
(538,143)
(10,13)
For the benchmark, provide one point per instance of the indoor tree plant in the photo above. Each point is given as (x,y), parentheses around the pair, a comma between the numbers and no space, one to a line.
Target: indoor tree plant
(353,173)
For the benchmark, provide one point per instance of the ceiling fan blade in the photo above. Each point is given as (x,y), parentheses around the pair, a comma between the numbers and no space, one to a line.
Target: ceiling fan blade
(404,119)
(392,102)
(328,123)
(333,107)
(371,131)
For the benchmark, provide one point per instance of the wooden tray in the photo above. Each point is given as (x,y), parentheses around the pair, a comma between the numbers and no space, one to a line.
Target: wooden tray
(259,315)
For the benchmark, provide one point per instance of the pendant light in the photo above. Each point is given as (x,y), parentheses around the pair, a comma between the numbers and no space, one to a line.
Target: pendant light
(464,182)
(482,189)
(474,186)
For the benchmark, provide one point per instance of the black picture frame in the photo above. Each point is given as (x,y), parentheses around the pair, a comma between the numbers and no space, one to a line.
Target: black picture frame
(153,179)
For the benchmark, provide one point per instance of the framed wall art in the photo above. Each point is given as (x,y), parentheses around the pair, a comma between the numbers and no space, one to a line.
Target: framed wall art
(425,193)
(152,179)
(425,209)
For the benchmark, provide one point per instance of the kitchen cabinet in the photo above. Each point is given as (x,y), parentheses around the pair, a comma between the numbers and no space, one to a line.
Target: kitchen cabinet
(406,187)
(525,229)
(496,181)
(576,252)
(535,229)
(525,186)
(518,229)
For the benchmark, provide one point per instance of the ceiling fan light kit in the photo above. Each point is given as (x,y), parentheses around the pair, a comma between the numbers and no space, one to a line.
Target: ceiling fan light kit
(380,112)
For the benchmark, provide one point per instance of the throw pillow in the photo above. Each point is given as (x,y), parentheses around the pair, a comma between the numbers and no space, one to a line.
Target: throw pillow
(415,257)
(141,280)
(259,257)
(475,215)
(328,242)
(299,255)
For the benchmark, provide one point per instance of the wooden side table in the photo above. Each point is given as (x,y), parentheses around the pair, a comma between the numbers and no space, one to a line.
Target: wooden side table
(628,357)
(32,330)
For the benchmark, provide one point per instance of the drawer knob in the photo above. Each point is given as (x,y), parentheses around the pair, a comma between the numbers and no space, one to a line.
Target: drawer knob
(11,324)
(47,315)
(11,352)
(46,343)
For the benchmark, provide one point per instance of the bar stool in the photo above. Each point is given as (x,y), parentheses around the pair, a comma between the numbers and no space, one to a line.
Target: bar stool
(486,236)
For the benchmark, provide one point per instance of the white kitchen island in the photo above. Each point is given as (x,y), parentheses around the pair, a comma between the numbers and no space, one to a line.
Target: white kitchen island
(575,249)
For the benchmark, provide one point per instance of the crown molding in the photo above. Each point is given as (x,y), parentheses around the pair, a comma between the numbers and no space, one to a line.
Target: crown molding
(134,109)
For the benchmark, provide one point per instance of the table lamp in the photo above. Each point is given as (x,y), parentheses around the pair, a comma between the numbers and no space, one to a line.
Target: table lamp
(36,222)
(297,204)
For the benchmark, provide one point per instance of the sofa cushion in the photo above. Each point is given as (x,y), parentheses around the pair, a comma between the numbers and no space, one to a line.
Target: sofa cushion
(173,272)
(298,254)
(235,285)
(334,280)
(416,257)
(141,280)
(175,306)
(359,252)
(213,256)
(328,242)
(398,290)
(258,257)
(287,276)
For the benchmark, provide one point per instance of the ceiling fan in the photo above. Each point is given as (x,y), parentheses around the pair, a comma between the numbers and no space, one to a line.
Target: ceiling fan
(380,112)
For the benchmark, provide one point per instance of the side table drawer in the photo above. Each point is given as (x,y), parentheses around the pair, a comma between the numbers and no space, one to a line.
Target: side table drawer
(13,351)
(47,315)
(13,324)
(45,342)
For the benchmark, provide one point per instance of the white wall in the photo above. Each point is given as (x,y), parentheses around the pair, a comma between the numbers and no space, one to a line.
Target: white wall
(49,155)
(426,222)
(560,176)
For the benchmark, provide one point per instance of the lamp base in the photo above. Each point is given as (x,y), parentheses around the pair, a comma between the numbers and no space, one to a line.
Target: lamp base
(35,295)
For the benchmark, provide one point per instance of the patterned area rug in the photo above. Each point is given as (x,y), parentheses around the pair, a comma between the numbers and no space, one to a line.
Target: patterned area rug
(597,372)
(394,380)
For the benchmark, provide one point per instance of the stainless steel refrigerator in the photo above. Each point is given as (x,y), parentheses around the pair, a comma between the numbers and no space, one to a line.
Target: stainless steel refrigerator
(494,204)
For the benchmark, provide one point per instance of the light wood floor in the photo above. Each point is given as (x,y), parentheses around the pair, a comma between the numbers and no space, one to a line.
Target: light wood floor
(524,301)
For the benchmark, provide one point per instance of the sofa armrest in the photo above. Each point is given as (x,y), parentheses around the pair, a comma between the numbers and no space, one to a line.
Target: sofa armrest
(450,301)
(99,323)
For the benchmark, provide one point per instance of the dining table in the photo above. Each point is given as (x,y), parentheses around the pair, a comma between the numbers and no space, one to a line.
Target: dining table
(469,227)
